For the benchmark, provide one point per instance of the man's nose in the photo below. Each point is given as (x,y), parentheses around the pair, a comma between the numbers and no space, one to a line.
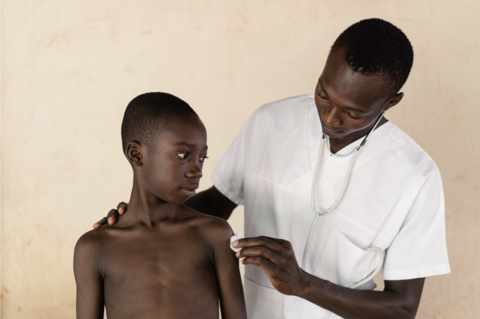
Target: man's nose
(195,171)
(331,116)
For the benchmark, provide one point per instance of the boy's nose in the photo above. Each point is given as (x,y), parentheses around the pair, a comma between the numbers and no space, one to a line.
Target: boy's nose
(195,172)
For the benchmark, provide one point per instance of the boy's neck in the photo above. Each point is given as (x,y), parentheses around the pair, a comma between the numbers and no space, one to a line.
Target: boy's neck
(147,209)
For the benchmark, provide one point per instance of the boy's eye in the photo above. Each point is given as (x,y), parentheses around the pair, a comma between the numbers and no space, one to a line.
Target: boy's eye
(203,158)
(183,155)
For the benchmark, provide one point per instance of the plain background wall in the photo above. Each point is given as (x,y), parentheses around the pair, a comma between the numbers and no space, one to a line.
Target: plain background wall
(69,68)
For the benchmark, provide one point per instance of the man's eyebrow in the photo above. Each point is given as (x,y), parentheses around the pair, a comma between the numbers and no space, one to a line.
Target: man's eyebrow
(345,107)
(321,86)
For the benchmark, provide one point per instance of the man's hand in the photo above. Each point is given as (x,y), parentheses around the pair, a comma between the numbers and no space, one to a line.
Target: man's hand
(112,215)
(277,259)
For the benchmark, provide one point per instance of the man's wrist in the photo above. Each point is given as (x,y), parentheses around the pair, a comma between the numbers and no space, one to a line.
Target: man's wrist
(315,289)
(306,285)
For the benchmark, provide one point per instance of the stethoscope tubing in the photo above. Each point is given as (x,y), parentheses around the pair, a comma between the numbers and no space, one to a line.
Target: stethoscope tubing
(380,253)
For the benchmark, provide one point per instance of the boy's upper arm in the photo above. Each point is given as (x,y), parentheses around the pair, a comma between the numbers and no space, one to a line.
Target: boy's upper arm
(232,300)
(90,302)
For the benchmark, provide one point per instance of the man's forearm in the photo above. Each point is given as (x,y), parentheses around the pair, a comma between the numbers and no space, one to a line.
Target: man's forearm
(212,202)
(362,304)
(202,202)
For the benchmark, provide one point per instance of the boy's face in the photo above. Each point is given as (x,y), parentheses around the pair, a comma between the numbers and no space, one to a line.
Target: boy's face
(172,168)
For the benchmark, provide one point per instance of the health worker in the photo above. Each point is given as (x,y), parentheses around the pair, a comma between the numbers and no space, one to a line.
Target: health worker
(393,201)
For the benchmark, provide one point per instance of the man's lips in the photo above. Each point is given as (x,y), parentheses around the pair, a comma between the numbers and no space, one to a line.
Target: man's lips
(330,130)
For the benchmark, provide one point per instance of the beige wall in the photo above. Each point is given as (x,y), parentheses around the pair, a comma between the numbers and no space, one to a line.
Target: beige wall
(70,67)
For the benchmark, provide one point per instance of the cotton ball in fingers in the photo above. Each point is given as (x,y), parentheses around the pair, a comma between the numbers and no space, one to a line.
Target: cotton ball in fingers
(236,236)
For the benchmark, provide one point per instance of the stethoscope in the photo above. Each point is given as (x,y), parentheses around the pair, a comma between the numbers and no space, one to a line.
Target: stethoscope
(356,151)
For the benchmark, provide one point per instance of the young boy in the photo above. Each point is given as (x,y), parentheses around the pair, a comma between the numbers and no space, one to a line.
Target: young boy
(163,259)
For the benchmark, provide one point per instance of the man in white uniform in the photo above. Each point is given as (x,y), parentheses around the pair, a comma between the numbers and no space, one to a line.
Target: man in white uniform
(394,199)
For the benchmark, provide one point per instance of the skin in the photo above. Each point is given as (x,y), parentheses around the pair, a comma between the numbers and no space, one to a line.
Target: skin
(348,104)
(163,259)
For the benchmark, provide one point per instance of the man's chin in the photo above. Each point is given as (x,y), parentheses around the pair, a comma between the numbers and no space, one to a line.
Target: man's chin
(334,135)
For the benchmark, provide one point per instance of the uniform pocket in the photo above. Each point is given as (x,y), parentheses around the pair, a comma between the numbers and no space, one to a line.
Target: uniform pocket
(262,302)
(346,264)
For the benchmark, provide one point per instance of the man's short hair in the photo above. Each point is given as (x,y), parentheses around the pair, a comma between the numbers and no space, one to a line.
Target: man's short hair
(375,46)
(147,114)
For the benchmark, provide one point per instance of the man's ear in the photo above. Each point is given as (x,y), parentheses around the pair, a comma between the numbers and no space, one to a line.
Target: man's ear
(134,153)
(394,100)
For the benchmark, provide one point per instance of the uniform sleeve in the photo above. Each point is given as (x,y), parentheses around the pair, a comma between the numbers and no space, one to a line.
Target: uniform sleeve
(228,175)
(419,249)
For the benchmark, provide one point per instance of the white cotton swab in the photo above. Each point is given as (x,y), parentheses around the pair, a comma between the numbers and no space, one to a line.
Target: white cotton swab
(236,236)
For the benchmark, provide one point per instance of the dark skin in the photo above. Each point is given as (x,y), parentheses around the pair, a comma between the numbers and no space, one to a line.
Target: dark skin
(348,104)
(163,259)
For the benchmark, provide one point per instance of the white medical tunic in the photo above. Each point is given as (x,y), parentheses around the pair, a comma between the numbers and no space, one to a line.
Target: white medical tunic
(394,201)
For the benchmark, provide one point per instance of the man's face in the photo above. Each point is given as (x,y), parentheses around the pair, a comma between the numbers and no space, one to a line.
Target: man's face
(349,102)
(172,168)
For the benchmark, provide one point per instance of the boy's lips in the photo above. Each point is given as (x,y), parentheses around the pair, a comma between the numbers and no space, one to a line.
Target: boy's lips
(190,190)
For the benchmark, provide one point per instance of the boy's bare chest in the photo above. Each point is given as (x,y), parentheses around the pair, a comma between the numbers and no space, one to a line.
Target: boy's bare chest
(142,261)
(159,275)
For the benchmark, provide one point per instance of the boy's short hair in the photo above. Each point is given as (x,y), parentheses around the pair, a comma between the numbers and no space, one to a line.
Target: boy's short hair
(375,46)
(147,114)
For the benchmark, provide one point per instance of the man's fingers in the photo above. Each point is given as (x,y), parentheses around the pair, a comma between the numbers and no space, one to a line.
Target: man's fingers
(262,251)
(122,208)
(272,243)
(112,216)
(266,265)
(101,222)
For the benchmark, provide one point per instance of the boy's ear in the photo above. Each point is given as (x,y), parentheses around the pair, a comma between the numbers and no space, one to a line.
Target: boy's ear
(134,153)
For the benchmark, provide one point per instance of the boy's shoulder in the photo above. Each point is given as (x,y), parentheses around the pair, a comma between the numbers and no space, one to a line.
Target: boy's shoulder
(212,227)
(91,242)
(88,249)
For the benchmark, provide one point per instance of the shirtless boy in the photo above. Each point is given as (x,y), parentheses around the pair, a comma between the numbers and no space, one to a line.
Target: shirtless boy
(163,259)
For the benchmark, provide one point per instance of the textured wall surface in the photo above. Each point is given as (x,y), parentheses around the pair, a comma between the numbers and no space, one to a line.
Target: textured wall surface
(70,67)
